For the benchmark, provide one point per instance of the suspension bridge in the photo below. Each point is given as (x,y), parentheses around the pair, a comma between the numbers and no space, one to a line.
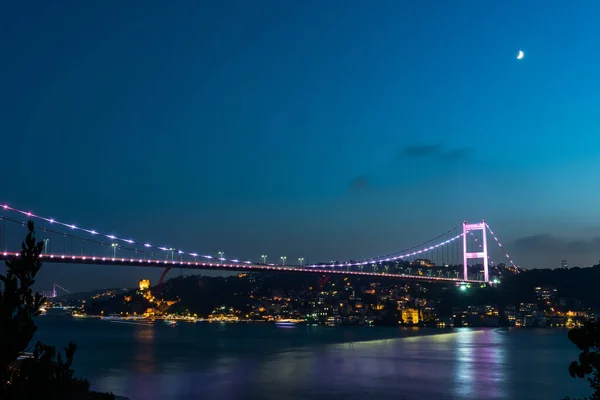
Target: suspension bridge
(460,254)
(51,294)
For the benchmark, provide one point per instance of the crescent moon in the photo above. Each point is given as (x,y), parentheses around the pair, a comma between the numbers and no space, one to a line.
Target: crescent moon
(521,55)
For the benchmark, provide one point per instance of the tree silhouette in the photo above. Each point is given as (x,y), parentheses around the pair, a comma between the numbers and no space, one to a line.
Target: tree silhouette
(18,304)
(44,375)
(587,339)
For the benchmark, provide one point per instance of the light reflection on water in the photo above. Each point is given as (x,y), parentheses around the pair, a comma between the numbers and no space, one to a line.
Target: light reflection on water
(263,362)
(478,364)
(144,343)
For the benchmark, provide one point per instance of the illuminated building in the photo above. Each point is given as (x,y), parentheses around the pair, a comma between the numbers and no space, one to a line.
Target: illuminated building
(429,314)
(424,262)
(224,314)
(144,284)
(528,308)
(577,314)
(545,293)
(511,315)
(411,316)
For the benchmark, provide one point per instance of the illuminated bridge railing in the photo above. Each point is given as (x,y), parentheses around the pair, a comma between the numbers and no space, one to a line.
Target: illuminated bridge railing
(108,261)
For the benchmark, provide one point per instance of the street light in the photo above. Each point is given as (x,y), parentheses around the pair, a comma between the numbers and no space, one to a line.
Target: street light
(264,258)
(301,259)
(283,258)
(221,254)
(114,246)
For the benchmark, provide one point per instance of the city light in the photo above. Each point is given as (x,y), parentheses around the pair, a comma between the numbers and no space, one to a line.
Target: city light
(114,246)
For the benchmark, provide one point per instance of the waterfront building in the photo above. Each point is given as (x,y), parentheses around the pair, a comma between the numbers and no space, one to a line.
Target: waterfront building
(411,316)
(144,284)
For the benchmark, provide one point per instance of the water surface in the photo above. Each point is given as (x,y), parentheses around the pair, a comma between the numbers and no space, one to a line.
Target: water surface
(243,361)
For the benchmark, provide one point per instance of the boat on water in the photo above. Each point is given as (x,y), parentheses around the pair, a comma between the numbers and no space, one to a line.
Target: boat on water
(287,322)
(170,322)
(128,320)
(145,323)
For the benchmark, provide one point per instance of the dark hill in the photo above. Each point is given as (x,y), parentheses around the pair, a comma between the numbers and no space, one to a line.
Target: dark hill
(202,294)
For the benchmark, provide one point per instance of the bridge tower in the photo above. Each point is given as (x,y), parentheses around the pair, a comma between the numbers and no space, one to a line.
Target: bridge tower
(54,290)
(467,255)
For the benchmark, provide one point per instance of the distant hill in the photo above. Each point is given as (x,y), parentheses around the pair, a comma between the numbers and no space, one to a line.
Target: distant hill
(202,294)
(580,283)
(80,296)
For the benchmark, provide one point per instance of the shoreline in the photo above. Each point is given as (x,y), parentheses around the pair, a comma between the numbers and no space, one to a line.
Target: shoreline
(150,321)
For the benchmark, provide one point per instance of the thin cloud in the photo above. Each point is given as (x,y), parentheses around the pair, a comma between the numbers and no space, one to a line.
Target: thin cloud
(436,150)
(422,151)
(359,184)
(458,154)
(546,244)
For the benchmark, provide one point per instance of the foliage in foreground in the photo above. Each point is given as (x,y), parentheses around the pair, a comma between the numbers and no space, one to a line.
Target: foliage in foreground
(587,339)
(45,374)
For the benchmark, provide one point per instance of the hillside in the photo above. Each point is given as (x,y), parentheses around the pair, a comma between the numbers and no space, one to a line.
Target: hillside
(202,294)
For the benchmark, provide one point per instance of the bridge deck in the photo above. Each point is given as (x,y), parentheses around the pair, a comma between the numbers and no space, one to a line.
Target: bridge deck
(138,262)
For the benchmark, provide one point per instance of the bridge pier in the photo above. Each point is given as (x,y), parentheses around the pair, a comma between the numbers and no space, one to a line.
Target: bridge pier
(477,254)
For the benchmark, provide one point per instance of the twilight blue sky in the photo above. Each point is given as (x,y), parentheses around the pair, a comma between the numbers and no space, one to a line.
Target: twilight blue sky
(323,129)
